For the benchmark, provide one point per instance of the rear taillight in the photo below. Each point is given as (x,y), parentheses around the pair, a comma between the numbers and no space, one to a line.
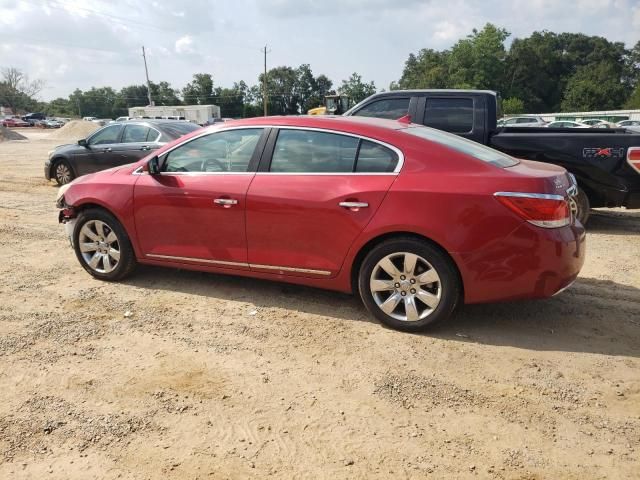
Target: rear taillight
(542,210)
(633,158)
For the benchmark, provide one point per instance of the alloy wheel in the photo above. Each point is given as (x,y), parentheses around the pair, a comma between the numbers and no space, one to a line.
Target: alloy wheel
(405,286)
(63,173)
(99,246)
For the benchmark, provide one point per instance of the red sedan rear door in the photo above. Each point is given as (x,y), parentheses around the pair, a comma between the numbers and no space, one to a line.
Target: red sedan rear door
(315,193)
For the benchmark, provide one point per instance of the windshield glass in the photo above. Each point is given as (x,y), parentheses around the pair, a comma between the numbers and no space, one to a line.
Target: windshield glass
(486,154)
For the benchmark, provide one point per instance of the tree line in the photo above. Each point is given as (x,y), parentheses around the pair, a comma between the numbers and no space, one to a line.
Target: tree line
(545,72)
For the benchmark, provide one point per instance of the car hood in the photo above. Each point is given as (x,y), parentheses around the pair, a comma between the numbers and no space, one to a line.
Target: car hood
(68,148)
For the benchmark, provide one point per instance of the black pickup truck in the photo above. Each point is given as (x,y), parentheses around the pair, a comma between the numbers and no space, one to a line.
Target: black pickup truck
(604,161)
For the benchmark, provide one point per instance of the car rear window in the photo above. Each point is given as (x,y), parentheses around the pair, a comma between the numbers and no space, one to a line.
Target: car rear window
(179,128)
(486,154)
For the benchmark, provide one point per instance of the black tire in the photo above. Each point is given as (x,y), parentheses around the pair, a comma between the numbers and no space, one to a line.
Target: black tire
(583,207)
(448,288)
(62,172)
(94,219)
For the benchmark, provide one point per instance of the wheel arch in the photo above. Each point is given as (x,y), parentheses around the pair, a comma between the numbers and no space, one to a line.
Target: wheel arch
(377,240)
(54,162)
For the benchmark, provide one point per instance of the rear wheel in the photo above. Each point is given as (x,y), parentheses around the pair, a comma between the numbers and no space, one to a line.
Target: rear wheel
(408,284)
(62,172)
(102,245)
(583,207)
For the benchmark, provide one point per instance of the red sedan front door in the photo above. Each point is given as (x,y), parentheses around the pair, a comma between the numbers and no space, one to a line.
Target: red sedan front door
(194,210)
(320,191)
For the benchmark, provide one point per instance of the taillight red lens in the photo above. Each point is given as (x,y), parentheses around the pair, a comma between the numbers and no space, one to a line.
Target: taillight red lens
(548,211)
(633,158)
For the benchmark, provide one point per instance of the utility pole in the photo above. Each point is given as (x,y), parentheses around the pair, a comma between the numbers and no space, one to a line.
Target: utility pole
(264,80)
(146,71)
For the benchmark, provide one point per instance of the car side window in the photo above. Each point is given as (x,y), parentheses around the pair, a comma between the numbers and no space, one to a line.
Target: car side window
(449,114)
(309,151)
(391,108)
(109,134)
(525,120)
(375,158)
(153,135)
(226,151)
(135,134)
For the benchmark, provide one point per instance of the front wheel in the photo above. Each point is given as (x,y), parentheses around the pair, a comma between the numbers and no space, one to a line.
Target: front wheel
(409,284)
(102,245)
(62,172)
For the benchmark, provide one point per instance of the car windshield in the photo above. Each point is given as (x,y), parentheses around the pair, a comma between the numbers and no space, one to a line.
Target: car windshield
(179,128)
(486,154)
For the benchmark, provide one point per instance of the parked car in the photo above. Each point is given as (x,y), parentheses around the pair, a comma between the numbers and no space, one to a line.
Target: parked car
(530,121)
(50,123)
(111,146)
(33,118)
(628,123)
(600,159)
(349,204)
(566,124)
(88,119)
(598,123)
(15,122)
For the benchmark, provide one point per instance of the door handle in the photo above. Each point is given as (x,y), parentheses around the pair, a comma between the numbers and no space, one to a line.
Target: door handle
(225,202)
(107,150)
(353,205)
(145,148)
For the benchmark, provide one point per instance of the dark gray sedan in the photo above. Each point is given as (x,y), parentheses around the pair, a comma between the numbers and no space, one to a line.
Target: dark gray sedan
(113,145)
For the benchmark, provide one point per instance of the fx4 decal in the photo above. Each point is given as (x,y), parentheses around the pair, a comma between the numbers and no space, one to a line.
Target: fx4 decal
(607,152)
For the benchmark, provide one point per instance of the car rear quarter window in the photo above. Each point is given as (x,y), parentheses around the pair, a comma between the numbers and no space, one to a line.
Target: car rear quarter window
(178,129)
(226,151)
(375,158)
(309,151)
(390,108)
(468,147)
(135,134)
(449,114)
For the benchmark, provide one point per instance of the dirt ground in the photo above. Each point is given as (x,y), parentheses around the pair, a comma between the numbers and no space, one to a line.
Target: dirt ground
(176,374)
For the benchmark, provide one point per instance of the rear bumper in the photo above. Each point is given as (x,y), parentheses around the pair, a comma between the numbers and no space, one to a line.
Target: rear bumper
(531,262)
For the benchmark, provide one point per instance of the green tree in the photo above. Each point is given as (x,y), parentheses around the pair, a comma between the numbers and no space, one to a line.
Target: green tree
(478,61)
(281,91)
(199,90)
(594,87)
(512,106)
(428,69)
(17,91)
(356,89)
(163,94)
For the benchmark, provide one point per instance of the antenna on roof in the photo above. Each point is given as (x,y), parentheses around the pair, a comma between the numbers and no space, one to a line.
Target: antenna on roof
(406,119)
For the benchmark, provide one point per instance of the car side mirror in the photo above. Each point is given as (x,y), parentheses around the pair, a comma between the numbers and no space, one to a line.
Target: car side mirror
(83,142)
(153,166)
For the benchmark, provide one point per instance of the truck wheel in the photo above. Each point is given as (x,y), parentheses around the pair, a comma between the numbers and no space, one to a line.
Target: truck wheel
(583,206)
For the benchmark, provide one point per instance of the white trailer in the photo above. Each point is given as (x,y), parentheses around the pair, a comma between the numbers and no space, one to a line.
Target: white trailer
(200,114)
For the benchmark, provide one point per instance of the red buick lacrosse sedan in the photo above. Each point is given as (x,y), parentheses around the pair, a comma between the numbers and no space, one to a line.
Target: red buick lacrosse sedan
(415,220)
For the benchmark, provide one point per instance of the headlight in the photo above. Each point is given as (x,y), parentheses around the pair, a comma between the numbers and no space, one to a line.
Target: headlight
(62,190)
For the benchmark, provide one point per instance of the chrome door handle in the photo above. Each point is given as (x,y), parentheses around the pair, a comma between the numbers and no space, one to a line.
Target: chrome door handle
(227,202)
(145,148)
(354,204)
(107,150)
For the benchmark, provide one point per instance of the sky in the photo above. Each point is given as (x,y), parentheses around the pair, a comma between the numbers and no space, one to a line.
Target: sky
(83,43)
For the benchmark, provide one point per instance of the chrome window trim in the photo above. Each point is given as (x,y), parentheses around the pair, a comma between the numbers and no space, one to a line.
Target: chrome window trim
(216,129)
(139,171)
(239,264)
(156,139)
(545,196)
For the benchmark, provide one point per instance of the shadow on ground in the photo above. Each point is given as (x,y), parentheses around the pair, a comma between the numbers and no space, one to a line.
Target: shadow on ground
(614,222)
(593,316)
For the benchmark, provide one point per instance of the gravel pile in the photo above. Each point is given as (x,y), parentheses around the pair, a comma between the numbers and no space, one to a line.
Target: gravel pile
(8,134)
(74,130)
